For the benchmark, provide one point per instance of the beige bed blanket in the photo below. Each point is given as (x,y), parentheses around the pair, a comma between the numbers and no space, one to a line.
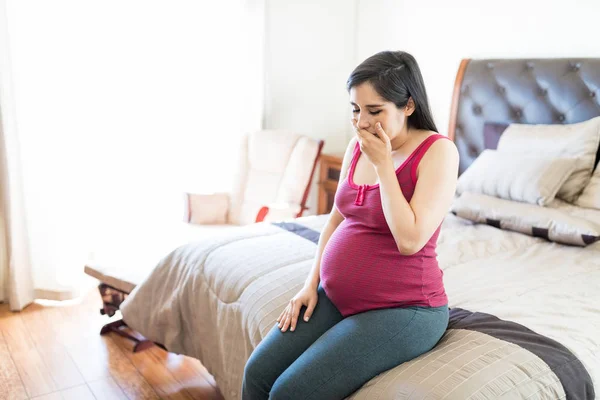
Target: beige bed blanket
(217,298)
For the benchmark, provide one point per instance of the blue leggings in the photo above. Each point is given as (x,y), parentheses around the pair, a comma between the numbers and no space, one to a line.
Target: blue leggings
(330,357)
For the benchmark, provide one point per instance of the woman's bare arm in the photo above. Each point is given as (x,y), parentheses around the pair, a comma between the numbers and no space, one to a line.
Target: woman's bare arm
(412,224)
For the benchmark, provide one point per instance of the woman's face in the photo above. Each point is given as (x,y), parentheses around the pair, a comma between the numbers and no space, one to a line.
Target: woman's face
(369,108)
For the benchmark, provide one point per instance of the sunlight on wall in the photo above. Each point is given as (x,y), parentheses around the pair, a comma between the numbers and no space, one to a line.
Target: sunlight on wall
(121,107)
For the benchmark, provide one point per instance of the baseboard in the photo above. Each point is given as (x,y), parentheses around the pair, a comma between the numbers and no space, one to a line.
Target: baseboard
(58,295)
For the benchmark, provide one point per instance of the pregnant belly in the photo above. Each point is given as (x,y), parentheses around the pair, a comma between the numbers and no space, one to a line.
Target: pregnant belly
(361,269)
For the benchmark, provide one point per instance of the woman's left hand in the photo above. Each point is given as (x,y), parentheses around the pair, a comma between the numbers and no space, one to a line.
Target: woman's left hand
(378,149)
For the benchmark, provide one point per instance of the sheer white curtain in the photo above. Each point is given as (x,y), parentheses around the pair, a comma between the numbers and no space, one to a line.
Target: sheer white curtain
(121,107)
(16,281)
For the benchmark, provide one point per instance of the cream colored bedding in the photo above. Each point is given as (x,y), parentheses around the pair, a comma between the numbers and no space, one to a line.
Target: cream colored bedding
(217,298)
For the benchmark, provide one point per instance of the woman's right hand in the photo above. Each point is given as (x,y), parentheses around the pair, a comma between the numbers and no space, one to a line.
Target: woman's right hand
(308,297)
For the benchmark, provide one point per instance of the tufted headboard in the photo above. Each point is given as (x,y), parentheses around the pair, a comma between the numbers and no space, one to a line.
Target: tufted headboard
(527,91)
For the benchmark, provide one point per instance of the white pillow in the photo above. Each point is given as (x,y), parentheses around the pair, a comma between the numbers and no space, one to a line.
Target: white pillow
(519,177)
(579,141)
(557,223)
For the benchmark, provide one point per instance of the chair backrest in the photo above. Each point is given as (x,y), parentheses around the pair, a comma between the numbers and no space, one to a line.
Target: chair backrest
(275,166)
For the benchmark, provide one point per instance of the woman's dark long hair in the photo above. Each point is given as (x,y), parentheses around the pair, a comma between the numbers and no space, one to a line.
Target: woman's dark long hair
(396,77)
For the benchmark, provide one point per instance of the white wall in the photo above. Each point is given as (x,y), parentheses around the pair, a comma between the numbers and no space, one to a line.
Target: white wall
(313,46)
(310,51)
(441,33)
(122,106)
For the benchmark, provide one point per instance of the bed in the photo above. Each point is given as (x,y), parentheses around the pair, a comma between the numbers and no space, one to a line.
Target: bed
(525,314)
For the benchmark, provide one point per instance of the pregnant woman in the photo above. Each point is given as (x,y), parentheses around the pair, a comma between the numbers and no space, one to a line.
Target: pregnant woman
(375,296)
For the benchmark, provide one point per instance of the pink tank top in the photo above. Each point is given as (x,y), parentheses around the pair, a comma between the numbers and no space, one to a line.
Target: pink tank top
(361,267)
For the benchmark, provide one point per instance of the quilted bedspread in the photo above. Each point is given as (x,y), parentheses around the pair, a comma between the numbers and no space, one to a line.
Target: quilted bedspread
(524,319)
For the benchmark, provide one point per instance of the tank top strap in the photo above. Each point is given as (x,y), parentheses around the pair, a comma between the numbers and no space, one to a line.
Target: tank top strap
(420,152)
(353,163)
(356,151)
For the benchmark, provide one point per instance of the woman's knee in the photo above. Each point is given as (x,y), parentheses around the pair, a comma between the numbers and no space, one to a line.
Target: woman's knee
(256,371)
(286,388)
(263,367)
(280,393)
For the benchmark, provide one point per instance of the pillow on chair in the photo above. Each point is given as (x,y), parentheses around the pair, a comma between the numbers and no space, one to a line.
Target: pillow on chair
(208,209)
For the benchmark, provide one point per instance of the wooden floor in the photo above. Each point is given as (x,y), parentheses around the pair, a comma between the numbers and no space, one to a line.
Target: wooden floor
(51,352)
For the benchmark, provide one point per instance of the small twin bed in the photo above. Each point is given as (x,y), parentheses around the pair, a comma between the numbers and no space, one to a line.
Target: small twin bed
(519,251)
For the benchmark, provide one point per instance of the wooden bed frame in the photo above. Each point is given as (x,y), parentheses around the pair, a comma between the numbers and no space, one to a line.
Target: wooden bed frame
(455,95)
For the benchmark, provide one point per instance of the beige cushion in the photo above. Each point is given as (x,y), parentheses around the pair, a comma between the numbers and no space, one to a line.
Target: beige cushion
(590,197)
(579,141)
(208,209)
(561,223)
(519,177)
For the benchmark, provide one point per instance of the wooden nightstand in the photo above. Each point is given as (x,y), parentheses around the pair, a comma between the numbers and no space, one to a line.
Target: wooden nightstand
(330,168)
